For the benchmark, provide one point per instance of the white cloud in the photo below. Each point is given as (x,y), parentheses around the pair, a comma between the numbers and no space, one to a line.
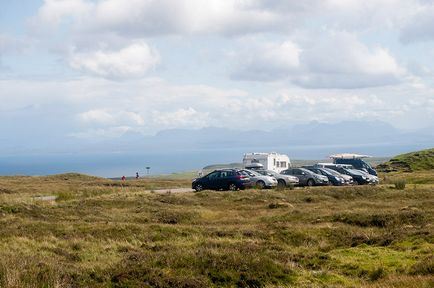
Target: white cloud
(375,15)
(53,12)
(268,62)
(99,116)
(148,106)
(228,17)
(181,118)
(420,27)
(129,62)
(157,17)
(111,117)
(340,60)
(334,60)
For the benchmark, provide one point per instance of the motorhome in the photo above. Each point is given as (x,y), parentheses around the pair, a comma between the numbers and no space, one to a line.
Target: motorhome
(270,161)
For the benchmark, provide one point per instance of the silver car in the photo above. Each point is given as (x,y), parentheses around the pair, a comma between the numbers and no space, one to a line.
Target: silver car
(282,180)
(259,180)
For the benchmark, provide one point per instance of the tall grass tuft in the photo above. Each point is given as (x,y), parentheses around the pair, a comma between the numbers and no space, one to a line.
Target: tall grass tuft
(400,184)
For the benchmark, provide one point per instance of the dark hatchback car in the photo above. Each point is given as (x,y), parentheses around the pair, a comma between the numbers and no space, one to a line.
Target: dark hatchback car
(306,177)
(225,179)
(359,177)
(334,177)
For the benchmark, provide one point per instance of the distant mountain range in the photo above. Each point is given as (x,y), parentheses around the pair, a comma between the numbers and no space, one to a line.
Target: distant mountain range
(178,150)
(377,138)
(313,140)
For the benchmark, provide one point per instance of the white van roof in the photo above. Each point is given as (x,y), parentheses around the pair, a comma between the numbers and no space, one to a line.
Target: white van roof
(348,156)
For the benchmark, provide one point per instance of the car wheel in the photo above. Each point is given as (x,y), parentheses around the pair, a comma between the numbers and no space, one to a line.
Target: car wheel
(310,182)
(281,183)
(260,184)
(198,187)
(233,187)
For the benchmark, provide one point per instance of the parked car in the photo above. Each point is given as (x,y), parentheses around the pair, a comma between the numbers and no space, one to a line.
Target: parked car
(259,180)
(223,179)
(306,177)
(334,177)
(360,177)
(372,178)
(348,179)
(282,180)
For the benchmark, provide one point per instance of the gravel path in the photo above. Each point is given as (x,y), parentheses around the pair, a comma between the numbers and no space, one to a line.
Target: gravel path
(174,190)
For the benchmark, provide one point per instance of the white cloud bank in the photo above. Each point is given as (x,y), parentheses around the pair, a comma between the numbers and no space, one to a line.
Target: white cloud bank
(334,60)
(131,61)
(306,60)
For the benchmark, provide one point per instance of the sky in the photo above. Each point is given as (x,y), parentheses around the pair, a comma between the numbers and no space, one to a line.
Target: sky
(96,69)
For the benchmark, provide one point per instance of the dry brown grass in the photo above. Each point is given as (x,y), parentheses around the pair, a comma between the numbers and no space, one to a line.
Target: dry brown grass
(103,233)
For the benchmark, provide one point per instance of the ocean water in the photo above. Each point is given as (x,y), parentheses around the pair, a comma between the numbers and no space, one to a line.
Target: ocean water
(113,164)
(118,164)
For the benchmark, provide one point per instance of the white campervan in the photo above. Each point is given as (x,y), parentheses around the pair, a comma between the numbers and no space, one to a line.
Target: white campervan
(270,161)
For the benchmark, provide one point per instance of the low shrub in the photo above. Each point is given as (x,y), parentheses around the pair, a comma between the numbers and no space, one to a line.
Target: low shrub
(400,184)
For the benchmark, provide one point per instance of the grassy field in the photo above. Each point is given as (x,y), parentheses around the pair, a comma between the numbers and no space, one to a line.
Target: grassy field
(104,233)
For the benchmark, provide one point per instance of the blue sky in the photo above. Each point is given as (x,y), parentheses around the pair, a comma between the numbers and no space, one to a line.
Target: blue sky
(86,70)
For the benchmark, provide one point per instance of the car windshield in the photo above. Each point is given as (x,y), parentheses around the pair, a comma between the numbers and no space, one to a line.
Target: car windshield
(271,173)
(252,173)
(356,172)
(306,171)
(332,172)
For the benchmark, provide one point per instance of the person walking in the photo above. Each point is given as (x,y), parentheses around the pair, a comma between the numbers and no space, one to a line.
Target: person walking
(137,175)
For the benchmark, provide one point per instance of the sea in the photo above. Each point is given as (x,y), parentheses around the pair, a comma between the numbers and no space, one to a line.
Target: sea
(118,164)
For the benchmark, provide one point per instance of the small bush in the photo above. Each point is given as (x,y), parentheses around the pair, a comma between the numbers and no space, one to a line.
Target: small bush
(400,184)
(10,209)
(278,205)
(5,191)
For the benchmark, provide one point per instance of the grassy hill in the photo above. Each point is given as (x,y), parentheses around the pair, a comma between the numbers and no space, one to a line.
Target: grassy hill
(414,161)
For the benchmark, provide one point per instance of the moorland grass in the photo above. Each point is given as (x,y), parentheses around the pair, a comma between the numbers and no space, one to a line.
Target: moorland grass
(105,233)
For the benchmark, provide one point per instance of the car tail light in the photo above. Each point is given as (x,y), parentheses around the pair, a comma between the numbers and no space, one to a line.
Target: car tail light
(242,177)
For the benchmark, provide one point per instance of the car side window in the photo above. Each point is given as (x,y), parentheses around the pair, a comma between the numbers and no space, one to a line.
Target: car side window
(297,172)
(249,173)
(223,174)
(288,172)
(213,175)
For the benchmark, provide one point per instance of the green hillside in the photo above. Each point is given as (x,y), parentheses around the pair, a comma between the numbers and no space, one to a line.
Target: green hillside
(414,161)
